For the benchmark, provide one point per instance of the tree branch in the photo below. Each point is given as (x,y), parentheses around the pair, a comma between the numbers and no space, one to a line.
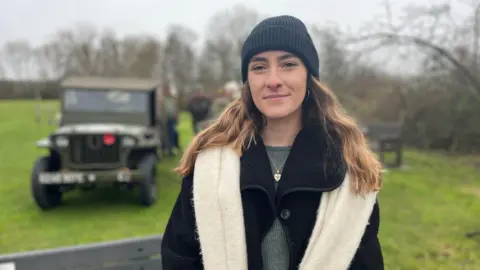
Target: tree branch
(420,42)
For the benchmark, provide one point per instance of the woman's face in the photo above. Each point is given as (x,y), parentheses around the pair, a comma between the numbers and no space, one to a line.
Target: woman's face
(278,83)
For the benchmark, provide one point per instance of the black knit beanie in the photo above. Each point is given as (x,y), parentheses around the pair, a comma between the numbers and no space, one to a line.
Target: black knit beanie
(285,33)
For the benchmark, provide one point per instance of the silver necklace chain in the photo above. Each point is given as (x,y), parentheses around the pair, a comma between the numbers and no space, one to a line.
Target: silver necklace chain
(277,174)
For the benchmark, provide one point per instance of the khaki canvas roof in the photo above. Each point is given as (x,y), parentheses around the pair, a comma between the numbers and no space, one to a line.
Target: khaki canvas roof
(117,83)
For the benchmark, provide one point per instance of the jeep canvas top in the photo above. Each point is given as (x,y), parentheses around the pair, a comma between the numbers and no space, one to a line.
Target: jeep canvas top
(108,100)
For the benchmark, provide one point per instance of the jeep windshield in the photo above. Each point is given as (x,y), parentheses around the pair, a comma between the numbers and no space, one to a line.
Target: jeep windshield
(109,101)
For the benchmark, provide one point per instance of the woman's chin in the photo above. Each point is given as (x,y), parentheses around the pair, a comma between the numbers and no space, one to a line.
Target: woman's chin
(277,114)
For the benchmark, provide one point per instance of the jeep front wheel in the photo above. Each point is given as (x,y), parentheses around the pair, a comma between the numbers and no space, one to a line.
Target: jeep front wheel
(46,196)
(148,185)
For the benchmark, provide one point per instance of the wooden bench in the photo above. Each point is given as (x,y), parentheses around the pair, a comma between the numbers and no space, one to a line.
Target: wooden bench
(386,137)
(129,254)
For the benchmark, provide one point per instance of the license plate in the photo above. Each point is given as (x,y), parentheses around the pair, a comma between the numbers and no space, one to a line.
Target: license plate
(61,178)
(124,177)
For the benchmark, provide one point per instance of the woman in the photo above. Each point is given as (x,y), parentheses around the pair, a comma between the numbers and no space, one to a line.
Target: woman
(283,179)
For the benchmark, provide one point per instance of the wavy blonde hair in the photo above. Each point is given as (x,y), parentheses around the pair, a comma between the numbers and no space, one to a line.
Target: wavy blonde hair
(239,123)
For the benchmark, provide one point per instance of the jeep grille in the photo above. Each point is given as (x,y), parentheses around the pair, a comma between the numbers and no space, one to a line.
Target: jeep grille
(90,149)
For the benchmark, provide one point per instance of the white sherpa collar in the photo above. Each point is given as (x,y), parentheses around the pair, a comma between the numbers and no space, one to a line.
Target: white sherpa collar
(341,218)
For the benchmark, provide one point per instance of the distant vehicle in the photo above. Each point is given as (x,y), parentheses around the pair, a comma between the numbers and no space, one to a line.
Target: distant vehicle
(108,133)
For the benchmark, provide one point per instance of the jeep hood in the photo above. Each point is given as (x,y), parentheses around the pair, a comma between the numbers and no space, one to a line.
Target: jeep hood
(99,128)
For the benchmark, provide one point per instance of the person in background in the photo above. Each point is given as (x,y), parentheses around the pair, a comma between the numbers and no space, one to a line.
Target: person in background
(172,113)
(199,107)
(162,118)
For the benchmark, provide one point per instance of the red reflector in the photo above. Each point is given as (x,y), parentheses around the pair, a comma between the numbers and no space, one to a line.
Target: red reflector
(109,139)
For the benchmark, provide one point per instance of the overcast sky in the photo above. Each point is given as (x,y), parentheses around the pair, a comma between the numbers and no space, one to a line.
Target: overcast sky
(36,19)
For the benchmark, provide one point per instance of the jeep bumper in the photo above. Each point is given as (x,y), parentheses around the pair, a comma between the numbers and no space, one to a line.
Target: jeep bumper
(86,177)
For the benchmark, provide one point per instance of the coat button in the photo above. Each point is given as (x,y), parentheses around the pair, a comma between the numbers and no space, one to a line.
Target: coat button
(285,214)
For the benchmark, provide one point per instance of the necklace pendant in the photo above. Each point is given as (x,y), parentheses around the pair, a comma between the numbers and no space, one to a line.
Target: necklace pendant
(277,176)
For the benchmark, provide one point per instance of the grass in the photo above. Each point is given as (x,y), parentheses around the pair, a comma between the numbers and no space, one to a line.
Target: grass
(426,209)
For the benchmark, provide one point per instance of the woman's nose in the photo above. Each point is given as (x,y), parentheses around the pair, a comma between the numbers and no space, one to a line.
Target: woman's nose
(273,81)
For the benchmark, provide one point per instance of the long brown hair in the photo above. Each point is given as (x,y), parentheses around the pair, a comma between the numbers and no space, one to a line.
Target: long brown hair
(241,121)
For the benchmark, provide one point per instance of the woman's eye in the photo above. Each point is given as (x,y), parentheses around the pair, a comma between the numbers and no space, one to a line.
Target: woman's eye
(289,64)
(257,68)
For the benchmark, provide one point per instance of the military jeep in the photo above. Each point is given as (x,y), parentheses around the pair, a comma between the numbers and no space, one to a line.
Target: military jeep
(107,134)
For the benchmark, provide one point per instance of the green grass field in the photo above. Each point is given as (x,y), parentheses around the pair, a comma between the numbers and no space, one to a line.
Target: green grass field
(425,209)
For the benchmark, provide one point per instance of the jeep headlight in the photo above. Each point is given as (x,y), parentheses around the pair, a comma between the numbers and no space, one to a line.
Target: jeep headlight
(128,141)
(61,141)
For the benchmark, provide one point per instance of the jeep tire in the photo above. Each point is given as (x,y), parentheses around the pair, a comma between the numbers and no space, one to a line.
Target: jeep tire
(46,196)
(148,185)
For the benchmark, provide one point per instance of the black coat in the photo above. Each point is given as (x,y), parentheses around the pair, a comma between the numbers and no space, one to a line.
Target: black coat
(313,167)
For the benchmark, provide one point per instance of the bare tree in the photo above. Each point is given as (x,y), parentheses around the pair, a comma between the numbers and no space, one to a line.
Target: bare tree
(17,57)
(226,32)
(426,28)
(178,66)
(442,98)
(3,74)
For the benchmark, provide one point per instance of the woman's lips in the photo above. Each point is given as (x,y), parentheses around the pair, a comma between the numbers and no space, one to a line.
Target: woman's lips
(276,96)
